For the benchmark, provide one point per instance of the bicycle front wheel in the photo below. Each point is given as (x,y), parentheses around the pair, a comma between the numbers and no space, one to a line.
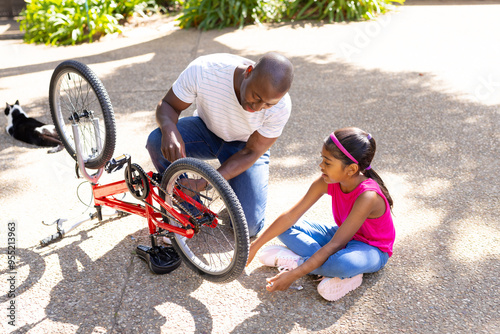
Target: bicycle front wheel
(218,251)
(77,96)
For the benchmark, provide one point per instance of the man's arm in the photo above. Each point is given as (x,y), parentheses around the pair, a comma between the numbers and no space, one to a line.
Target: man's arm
(239,162)
(167,116)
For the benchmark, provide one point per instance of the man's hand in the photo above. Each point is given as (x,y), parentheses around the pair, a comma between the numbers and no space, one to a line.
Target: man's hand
(167,116)
(191,187)
(172,145)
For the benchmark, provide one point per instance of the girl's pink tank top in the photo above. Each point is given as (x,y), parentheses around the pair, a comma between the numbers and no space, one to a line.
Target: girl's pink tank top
(377,232)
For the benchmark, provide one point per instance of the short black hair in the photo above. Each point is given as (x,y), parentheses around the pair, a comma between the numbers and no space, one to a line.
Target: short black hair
(277,69)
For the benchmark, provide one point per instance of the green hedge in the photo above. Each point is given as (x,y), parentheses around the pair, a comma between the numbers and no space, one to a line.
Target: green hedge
(210,14)
(63,22)
(339,10)
(224,13)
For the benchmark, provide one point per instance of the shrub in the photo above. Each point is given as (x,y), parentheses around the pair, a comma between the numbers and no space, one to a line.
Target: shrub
(210,14)
(63,22)
(338,10)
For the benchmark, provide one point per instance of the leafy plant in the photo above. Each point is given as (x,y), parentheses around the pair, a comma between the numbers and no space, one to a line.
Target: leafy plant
(63,22)
(210,14)
(141,7)
(338,10)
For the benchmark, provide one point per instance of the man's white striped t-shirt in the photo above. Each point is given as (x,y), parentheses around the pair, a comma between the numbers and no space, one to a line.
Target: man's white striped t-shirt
(208,81)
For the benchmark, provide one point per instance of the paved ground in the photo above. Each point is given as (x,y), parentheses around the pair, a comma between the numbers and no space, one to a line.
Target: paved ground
(424,81)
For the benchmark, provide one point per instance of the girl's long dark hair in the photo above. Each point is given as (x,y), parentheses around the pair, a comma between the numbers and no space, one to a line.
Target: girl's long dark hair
(356,142)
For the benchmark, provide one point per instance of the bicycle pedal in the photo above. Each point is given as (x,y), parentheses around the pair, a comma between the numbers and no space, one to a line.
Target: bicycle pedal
(161,260)
(116,163)
(142,252)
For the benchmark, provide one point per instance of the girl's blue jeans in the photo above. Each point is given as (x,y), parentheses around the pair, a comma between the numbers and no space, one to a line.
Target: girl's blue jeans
(250,186)
(306,238)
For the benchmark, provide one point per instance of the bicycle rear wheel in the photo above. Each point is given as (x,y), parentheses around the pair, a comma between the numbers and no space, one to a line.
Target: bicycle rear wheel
(219,249)
(77,96)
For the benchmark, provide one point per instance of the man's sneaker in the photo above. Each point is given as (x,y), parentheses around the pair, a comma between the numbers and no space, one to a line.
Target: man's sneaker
(279,256)
(335,288)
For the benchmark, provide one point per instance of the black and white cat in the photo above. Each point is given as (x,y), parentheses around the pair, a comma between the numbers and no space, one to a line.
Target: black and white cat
(30,130)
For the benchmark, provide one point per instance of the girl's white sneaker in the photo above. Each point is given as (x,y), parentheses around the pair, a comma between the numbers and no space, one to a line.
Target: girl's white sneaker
(279,256)
(335,288)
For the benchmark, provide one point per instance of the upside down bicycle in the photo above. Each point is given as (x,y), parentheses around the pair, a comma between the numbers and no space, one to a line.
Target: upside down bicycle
(207,228)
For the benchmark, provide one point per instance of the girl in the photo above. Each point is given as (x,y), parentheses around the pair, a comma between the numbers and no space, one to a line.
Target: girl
(363,238)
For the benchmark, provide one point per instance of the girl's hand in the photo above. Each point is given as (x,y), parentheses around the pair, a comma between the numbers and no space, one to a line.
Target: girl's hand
(252,252)
(280,282)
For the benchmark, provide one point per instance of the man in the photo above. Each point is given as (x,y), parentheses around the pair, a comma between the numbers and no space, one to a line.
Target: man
(242,108)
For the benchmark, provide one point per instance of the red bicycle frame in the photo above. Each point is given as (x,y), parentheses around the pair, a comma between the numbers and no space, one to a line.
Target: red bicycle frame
(104,195)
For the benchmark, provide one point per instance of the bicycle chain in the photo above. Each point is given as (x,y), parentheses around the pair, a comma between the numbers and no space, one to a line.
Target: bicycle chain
(165,192)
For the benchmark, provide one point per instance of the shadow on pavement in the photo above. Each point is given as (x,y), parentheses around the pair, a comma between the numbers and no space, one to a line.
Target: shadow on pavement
(435,150)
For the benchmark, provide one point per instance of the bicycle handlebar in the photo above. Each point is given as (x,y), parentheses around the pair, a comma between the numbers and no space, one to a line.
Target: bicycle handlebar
(50,239)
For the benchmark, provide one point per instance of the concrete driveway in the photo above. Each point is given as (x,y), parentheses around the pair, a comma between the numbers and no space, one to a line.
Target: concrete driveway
(424,81)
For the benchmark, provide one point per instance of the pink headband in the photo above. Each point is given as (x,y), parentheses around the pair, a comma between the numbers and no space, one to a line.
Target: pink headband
(339,145)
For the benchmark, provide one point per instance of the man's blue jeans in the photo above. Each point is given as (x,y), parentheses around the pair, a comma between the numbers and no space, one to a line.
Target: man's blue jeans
(306,238)
(250,186)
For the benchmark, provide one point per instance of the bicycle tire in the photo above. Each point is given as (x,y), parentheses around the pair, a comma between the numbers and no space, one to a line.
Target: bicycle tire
(77,96)
(217,253)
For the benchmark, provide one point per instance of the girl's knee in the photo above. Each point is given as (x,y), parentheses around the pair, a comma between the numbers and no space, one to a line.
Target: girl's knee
(286,236)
